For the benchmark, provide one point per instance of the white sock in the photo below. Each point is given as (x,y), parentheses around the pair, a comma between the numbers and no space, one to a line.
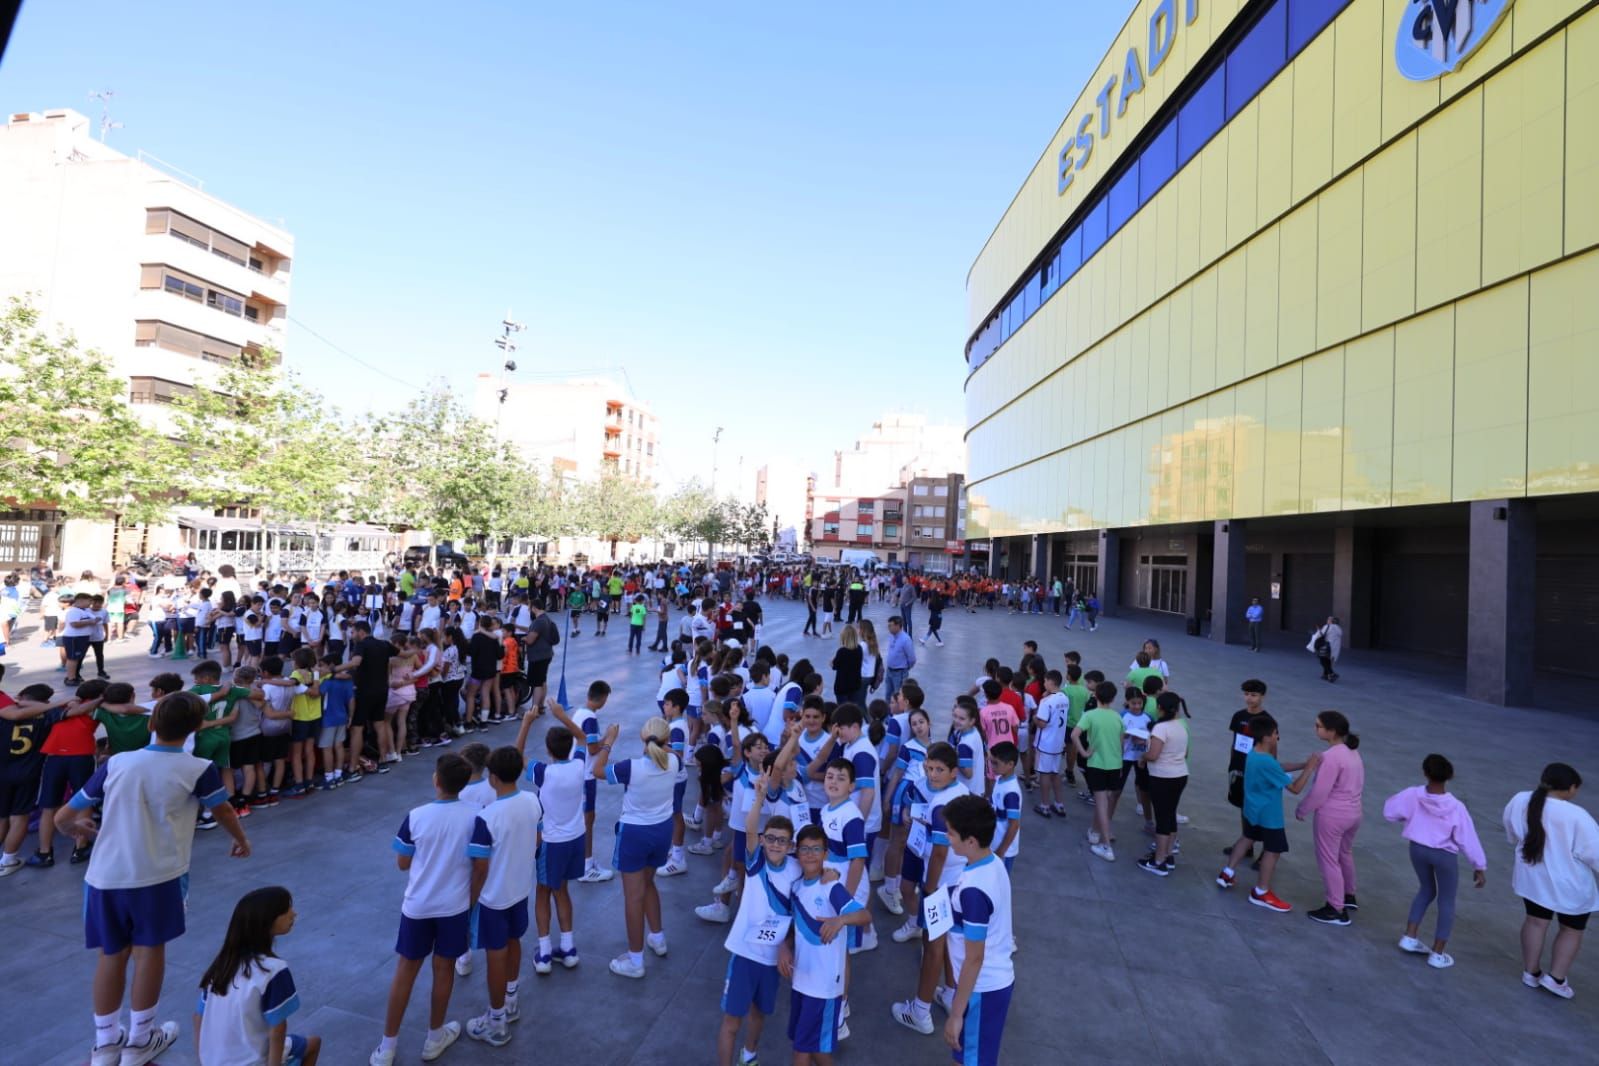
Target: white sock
(675,855)
(892,884)
(9,857)
(139,1023)
(389,1043)
(496,1015)
(435,1034)
(637,957)
(566,940)
(921,1008)
(106,1027)
(699,812)
(510,988)
(544,949)
(590,864)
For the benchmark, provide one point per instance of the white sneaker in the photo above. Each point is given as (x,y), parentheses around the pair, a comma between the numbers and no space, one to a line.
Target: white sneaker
(672,869)
(1093,836)
(905,1014)
(483,1028)
(1562,989)
(944,996)
(891,900)
(716,911)
(1414,946)
(1139,807)
(9,868)
(463,965)
(595,875)
(1104,851)
(1440,960)
(433,1048)
(109,1054)
(868,941)
(379,1057)
(624,966)
(161,1037)
(693,823)
(907,932)
(1182,819)
(513,1010)
(1528,979)
(542,964)
(702,847)
(726,884)
(656,943)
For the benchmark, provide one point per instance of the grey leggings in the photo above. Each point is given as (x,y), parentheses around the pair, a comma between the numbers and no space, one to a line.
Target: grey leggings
(1439,874)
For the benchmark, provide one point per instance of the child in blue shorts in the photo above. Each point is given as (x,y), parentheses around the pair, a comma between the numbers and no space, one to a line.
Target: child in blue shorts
(248,994)
(980,944)
(559,786)
(444,847)
(757,933)
(814,954)
(138,872)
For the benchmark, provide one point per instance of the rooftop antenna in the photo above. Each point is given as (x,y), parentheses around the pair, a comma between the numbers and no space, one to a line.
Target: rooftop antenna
(106,125)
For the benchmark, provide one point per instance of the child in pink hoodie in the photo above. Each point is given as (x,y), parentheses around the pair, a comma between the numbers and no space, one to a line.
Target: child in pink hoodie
(1439,828)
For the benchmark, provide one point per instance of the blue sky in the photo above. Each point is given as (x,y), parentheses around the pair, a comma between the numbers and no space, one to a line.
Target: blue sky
(765,213)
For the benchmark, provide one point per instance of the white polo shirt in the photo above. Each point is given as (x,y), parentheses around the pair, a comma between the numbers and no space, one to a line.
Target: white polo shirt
(980,902)
(759,927)
(648,799)
(442,838)
(559,786)
(148,800)
(819,967)
(235,1026)
(513,824)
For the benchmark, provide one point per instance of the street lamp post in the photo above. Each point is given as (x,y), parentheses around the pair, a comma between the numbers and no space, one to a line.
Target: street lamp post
(508,346)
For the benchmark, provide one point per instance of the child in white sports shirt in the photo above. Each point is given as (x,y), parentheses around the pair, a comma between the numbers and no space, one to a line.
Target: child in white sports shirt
(815,956)
(1049,725)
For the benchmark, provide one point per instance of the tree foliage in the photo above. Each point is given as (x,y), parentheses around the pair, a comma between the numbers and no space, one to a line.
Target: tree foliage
(70,437)
(615,508)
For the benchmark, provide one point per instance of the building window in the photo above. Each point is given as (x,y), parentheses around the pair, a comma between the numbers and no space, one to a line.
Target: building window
(830,528)
(156,390)
(940,489)
(186,229)
(863,530)
(19,542)
(918,490)
(152,334)
(649,449)
(865,506)
(890,531)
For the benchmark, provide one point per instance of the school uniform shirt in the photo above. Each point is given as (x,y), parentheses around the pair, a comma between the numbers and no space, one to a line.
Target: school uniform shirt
(442,838)
(912,765)
(513,825)
(648,799)
(314,621)
(147,827)
(761,702)
(968,751)
(819,967)
(671,677)
(479,793)
(280,698)
(809,748)
(430,617)
(78,622)
(236,1025)
(1007,802)
(932,813)
(980,905)
(863,757)
(468,624)
(761,924)
(895,731)
(1264,781)
(677,741)
(274,629)
(1052,711)
(559,786)
(791,802)
(743,793)
(846,836)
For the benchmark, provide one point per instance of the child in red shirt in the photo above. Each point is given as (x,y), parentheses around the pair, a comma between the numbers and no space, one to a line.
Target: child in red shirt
(68,764)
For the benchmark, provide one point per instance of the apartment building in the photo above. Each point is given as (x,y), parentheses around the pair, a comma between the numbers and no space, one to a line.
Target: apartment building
(578,428)
(935,529)
(874,523)
(170,283)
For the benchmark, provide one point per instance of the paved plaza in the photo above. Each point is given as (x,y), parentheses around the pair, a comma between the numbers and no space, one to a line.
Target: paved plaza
(1113,965)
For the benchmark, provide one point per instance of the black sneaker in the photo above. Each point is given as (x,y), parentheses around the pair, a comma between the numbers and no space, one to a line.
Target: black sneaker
(1149,865)
(1326,914)
(81,854)
(1350,904)
(41,859)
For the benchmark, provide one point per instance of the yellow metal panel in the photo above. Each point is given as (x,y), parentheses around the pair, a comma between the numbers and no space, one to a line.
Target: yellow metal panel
(1243,163)
(1563,434)
(1388,287)
(1524,133)
(1404,102)
(1184,248)
(1103,271)
(1231,327)
(1296,317)
(1219,454)
(1261,304)
(1369,421)
(1150,470)
(1121,378)
(1363,49)
(1157,337)
(1281,493)
(1582,134)
(1149,248)
(1203,334)
(1163,252)
(1424,381)
(1491,393)
(1321,449)
(1195,463)
(1127,282)
(1531,21)
(1338,280)
(1249,449)
(1212,162)
(1115,507)
(1144,387)
(1132,478)
(1449,202)
(1313,117)
(1180,346)
(1093,399)
(1274,184)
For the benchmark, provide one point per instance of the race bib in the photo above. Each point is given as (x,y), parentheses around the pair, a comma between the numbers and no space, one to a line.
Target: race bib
(937,914)
(1242,744)
(917,841)
(770,932)
(800,815)
(922,812)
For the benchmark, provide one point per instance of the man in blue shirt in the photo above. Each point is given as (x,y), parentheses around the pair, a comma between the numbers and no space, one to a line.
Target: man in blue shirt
(900,655)
(1254,614)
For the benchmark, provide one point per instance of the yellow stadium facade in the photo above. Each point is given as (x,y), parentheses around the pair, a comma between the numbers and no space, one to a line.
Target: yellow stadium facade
(1301,303)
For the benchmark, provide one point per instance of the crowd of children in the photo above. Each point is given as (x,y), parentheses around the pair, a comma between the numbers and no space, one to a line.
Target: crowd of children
(801,804)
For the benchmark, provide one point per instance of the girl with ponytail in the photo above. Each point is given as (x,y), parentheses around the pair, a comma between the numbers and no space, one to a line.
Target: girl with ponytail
(643,834)
(1557,856)
(1334,798)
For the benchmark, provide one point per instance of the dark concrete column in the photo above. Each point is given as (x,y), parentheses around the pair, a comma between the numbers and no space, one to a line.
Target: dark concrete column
(1352,562)
(1501,607)
(1040,557)
(1274,604)
(1227,599)
(1110,572)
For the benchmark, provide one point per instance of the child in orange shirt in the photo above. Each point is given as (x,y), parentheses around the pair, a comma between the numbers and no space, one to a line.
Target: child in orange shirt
(510,675)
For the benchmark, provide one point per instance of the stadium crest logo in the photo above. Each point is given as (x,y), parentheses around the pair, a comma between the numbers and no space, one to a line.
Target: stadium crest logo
(1436,36)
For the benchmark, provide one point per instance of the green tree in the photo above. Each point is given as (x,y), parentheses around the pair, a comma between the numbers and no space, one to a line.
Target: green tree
(258,438)
(748,524)
(70,437)
(615,508)
(692,514)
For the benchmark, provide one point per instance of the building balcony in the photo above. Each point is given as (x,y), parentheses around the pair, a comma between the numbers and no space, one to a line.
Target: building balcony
(221,271)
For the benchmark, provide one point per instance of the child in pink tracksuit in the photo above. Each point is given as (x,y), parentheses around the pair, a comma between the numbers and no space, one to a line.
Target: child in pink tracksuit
(1334,799)
(1439,829)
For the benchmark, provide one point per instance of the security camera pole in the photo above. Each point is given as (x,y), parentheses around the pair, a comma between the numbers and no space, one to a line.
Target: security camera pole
(508,346)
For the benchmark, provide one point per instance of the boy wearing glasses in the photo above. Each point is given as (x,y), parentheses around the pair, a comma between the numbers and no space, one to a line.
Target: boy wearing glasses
(759,929)
(813,955)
